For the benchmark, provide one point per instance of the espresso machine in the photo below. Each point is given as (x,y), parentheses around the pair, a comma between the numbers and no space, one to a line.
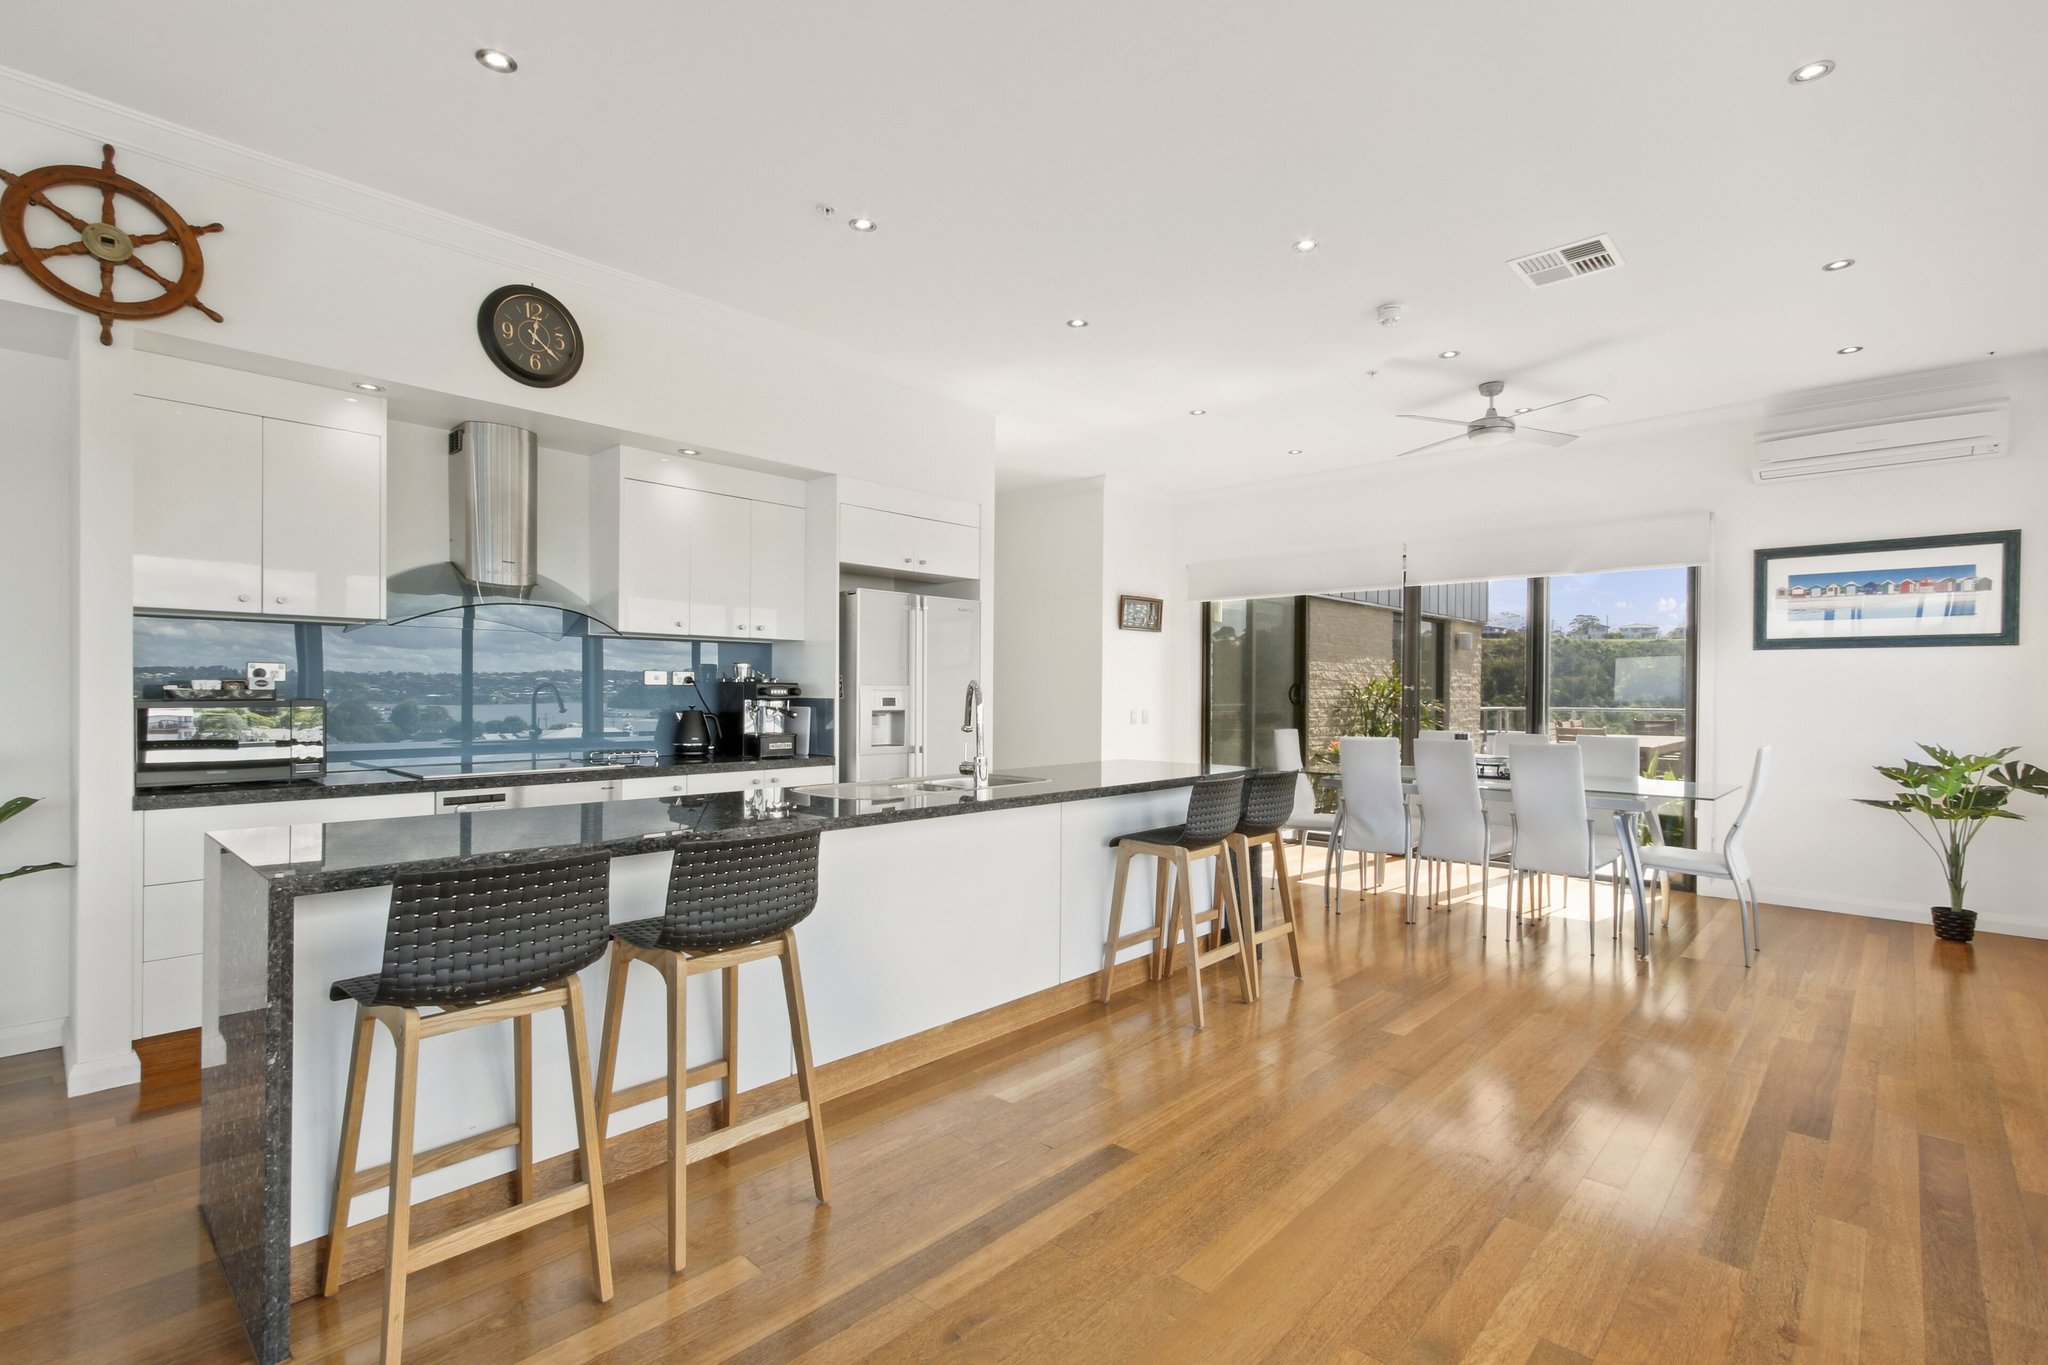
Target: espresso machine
(755,717)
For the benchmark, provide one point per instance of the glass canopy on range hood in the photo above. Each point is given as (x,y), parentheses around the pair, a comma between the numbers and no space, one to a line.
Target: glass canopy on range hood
(545,609)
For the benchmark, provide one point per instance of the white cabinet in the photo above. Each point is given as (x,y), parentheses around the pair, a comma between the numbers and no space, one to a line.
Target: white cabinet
(323,522)
(681,548)
(241,514)
(648,788)
(707,784)
(653,591)
(198,508)
(777,557)
(919,547)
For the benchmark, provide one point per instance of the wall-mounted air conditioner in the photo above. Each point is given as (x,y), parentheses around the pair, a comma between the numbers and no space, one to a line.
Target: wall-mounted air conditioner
(1932,438)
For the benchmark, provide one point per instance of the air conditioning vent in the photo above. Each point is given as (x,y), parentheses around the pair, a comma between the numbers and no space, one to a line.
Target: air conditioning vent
(1562,263)
(1934,438)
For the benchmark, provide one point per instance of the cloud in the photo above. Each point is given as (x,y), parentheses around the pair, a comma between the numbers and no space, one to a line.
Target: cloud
(1668,605)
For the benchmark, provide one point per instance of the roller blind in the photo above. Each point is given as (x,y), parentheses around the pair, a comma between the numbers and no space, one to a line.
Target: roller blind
(1489,549)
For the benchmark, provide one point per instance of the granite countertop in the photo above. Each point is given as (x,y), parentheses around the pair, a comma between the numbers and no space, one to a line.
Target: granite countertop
(302,859)
(381,780)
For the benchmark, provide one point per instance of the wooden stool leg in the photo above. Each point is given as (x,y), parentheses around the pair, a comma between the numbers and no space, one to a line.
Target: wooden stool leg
(1239,856)
(405,1032)
(522,1087)
(608,1045)
(1233,913)
(1172,883)
(1162,911)
(1184,916)
(1116,922)
(678,1115)
(1291,911)
(351,1142)
(806,1074)
(589,1136)
(729,1103)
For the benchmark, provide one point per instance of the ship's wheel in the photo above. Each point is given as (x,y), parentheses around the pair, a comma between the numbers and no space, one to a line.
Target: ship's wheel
(104,241)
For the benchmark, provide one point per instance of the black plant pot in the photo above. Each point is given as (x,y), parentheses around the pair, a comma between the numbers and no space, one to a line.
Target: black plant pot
(1956,926)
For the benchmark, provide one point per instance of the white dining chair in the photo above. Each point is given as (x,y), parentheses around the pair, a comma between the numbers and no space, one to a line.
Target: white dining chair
(1304,820)
(1728,861)
(1372,817)
(1616,760)
(1554,832)
(1454,828)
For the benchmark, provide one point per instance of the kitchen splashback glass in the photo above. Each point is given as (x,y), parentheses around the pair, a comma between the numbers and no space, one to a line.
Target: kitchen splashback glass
(450,687)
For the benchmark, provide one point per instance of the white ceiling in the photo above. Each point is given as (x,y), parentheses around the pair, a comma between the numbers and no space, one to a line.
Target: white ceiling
(1148,165)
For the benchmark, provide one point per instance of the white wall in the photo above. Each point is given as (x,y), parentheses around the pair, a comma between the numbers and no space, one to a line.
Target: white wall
(1048,650)
(319,279)
(1137,666)
(35,696)
(1830,714)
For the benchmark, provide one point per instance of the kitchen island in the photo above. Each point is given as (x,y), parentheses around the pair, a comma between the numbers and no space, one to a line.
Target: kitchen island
(936,905)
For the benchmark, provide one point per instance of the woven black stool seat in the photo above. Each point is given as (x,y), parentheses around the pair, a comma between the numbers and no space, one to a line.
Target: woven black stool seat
(457,938)
(727,894)
(1268,802)
(1215,804)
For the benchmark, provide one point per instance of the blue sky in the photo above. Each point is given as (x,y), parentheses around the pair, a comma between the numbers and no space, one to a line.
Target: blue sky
(1635,597)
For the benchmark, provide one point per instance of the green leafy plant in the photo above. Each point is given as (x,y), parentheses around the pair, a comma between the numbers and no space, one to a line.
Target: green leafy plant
(1955,796)
(10,808)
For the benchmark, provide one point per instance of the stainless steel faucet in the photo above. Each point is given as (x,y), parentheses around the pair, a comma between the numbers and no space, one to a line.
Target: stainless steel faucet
(533,711)
(970,724)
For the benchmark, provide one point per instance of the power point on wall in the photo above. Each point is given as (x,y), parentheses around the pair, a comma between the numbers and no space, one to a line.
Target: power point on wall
(654,677)
(685,678)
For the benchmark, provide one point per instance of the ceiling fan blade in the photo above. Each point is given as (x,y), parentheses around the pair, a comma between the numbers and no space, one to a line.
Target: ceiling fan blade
(1433,445)
(1565,405)
(1418,417)
(1541,437)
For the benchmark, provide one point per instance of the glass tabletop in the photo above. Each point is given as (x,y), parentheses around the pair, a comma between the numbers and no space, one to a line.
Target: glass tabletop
(1657,789)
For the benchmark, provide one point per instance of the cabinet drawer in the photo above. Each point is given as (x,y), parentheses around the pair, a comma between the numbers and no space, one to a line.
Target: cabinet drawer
(170,995)
(642,788)
(172,917)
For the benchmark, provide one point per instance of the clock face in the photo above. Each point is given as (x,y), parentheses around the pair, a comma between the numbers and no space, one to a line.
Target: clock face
(530,335)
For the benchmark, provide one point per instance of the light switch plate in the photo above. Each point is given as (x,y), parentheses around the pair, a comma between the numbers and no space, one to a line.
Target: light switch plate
(655,677)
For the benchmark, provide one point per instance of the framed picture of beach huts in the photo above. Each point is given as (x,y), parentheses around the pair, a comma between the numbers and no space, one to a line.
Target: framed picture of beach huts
(1923,590)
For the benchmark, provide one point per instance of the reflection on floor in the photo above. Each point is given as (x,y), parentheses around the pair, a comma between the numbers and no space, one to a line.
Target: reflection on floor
(1433,1148)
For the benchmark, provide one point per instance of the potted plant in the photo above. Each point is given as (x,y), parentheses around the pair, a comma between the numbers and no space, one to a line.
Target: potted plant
(11,807)
(1955,796)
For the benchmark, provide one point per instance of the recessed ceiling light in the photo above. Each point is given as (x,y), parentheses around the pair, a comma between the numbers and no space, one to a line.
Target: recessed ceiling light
(493,60)
(367,387)
(1842,264)
(1305,244)
(861,224)
(685,450)
(1198,412)
(1077,322)
(1812,71)
(1446,355)
(1294,452)
(1847,350)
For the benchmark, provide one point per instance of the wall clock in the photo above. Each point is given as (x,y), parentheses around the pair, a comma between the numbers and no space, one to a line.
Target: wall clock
(102,240)
(529,335)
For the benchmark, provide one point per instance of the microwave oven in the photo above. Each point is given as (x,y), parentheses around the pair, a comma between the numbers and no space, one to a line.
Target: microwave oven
(238,739)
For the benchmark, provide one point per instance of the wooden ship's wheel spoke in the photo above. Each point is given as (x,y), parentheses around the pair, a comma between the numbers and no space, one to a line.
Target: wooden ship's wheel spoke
(105,241)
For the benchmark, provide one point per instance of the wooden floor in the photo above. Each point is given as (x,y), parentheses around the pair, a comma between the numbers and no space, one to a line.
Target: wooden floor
(1432,1149)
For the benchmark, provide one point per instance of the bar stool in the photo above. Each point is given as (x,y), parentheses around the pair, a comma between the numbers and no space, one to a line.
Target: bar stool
(477,947)
(1268,808)
(730,902)
(1215,805)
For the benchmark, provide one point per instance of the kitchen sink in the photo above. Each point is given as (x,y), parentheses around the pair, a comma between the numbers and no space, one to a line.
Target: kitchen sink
(965,784)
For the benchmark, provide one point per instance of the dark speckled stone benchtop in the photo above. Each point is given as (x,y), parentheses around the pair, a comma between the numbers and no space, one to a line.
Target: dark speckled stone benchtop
(254,880)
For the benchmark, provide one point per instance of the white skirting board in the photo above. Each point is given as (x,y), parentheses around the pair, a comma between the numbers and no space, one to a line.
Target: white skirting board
(1987,923)
(36,1036)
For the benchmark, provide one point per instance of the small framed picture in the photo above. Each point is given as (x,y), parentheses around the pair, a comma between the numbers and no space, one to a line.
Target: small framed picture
(1139,613)
(1923,590)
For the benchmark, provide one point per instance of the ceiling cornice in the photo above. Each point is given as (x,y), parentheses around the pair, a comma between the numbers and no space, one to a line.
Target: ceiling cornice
(89,117)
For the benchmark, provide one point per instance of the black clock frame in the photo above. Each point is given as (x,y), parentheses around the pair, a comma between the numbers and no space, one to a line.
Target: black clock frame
(487,313)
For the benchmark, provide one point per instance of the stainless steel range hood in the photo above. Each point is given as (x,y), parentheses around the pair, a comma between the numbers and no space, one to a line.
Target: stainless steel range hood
(493,563)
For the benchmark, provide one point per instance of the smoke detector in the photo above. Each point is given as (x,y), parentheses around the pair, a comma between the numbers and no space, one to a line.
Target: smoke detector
(1389,314)
(1589,257)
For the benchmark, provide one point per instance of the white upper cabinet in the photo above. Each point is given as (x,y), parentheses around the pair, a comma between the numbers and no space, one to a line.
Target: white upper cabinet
(653,584)
(778,564)
(198,508)
(237,513)
(895,542)
(678,547)
(323,510)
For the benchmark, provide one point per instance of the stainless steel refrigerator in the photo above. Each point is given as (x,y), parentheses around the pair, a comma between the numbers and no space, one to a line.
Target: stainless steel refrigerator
(905,661)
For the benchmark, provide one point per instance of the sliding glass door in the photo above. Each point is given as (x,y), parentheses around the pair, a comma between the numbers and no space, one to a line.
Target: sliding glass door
(1620,661)
(1252,681)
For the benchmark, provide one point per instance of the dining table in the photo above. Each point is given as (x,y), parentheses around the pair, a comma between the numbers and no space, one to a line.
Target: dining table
(1626,802)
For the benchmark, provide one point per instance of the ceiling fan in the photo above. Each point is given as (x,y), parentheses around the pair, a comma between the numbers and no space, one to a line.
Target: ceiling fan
(1494,429)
